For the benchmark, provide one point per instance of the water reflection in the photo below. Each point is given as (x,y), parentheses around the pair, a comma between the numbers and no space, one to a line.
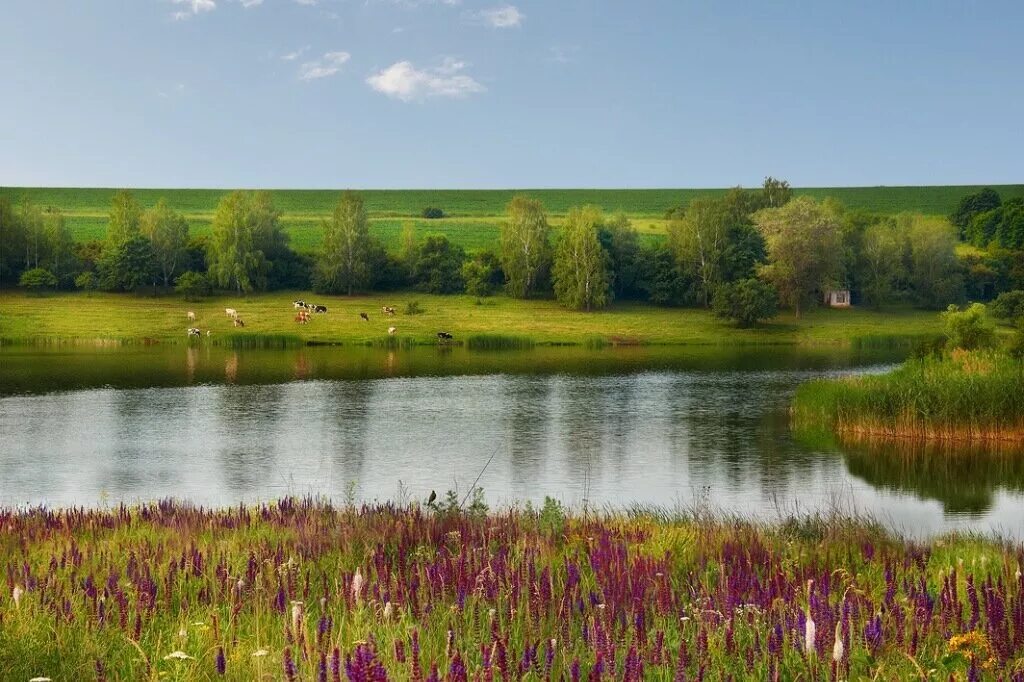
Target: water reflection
(673,433)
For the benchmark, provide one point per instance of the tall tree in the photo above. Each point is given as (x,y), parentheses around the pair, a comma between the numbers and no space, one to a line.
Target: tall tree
(698,238)
(12,242)
(581,264)
(935,271)
(525,245)
(879,262)
(971,205)
(802,239)
(620,239)
(125,217)
(775,193)
(167,230)
(35,233)
(238,232)
(344,261)
(60,247)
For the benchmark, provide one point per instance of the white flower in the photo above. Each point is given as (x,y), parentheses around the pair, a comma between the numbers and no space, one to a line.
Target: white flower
(177,656)
(40,679)
(387,610)
(296,616)
(837,649)
(357,585)
(16,595)
(183,633)
(260,652)
(809,635)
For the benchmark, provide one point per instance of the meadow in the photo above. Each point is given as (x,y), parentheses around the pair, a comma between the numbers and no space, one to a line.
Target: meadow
(302,590)
(967,397)
(270,318)
(472,217)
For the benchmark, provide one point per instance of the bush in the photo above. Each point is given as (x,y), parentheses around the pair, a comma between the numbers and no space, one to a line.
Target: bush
(1009,305)
(969,329)
(37,280)
(193,285)
(433,213)
(1016,345)
(413,308)
(87,281)
(438,267)
(482,274)
(746,301)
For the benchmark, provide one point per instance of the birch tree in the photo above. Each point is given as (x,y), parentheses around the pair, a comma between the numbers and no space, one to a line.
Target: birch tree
(344,262)
(525,245)
(167,230)
(581,264)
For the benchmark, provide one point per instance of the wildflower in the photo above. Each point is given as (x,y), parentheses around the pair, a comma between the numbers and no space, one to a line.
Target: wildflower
(40,679)
(809,632)
(357,585)
(297,609)
(289,665)
(387,610)
(259,652)
(222,663)
(177,656)
(837,648)
(16,595)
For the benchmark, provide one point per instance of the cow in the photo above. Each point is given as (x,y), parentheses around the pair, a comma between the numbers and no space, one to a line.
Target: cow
(302,317)
(298,304)
(319,309)
(231,312)
(444,336)
(238,322)
(392,330)
(192,331)
(191,316)
(365,317)
(388,310)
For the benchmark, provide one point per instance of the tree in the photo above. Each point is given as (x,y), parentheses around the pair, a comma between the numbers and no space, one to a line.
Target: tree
(236,259)
(525,245)
(438,268)
(619,238)
(12,242)
(934,269)
(128,266)
(125,218)
(38,279)
(35,234)
(193,285)
(343,264)
(663,280)
(972,204)
(408,243)
(802,239)
(1008,306)
(879,262)
(581,265)
(969,329)
(698,238)
(482,274)
(747,301)
(775,193)
(167,231)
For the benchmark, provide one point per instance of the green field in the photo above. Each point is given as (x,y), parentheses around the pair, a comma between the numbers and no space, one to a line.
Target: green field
(34,319)
(473,217)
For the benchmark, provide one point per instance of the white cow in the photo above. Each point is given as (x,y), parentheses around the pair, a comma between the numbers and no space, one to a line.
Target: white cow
(392,330)
(191,316)
(231,312)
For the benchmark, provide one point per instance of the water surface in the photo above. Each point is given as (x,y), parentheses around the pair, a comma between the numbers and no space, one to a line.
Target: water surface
(656,426)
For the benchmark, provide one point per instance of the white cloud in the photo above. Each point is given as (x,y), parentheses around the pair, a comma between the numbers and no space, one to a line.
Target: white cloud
(176,91)
(328,65)
(402,80)
(292,56)
(307,3)
(193,7)
(250,3)
(508,16)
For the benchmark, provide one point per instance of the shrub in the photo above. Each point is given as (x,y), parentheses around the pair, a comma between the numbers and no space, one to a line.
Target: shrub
(438,267)
(87,281)
(38,279)
(746,301)
(193,285)
(1009,305)
(969,329)
(413,308)
(432,213)
(482,274)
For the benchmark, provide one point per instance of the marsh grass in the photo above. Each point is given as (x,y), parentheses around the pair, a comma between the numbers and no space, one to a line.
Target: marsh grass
(962,398)
(253,340)
(499,342)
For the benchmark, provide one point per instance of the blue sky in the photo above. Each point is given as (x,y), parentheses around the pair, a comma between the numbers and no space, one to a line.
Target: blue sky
(573,93)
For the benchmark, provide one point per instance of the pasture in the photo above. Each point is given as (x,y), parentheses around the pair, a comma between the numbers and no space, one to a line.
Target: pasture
(472,217)
(131,318)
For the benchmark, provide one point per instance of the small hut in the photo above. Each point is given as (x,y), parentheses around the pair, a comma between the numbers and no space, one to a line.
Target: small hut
(837,298)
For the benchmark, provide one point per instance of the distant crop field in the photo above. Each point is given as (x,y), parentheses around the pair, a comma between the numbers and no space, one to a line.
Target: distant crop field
(410,203)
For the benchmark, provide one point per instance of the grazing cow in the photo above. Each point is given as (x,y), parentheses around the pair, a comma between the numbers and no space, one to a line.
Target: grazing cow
(302,317)
(192,331)
(444,336)
(191,316)
(365,317)
(392,330)
(238,322)
(231,312)
(298,304)
(388,310)
(319,309)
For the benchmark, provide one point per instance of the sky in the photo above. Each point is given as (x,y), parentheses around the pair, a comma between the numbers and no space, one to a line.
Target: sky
(492,94)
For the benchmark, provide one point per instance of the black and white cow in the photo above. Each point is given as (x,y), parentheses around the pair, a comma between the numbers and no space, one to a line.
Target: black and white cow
(444,336)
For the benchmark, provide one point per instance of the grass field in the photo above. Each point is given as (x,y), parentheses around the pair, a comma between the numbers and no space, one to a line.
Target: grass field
(301,590)
(473,217)
(29,318)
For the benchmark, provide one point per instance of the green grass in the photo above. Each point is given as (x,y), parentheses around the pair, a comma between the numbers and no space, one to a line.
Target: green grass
(69,316)
(967,397)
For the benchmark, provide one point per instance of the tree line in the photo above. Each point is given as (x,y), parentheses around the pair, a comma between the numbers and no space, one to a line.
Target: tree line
(743,254)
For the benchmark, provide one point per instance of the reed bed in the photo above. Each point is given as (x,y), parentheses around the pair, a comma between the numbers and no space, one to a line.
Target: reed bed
(301,590)
(499,342)
(965,397)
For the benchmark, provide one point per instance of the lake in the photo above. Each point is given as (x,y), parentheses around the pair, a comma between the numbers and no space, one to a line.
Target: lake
(655,426)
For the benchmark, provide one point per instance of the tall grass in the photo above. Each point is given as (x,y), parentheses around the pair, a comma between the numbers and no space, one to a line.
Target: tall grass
(257,340)
(498,342)
(965,397)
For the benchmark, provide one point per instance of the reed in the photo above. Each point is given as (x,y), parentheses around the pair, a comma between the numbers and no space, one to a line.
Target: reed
(257,340)
(964,397)
(499,342)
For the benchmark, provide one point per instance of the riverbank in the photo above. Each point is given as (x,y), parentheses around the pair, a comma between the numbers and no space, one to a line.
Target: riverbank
(963,398)
(499,321)
(302,590)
